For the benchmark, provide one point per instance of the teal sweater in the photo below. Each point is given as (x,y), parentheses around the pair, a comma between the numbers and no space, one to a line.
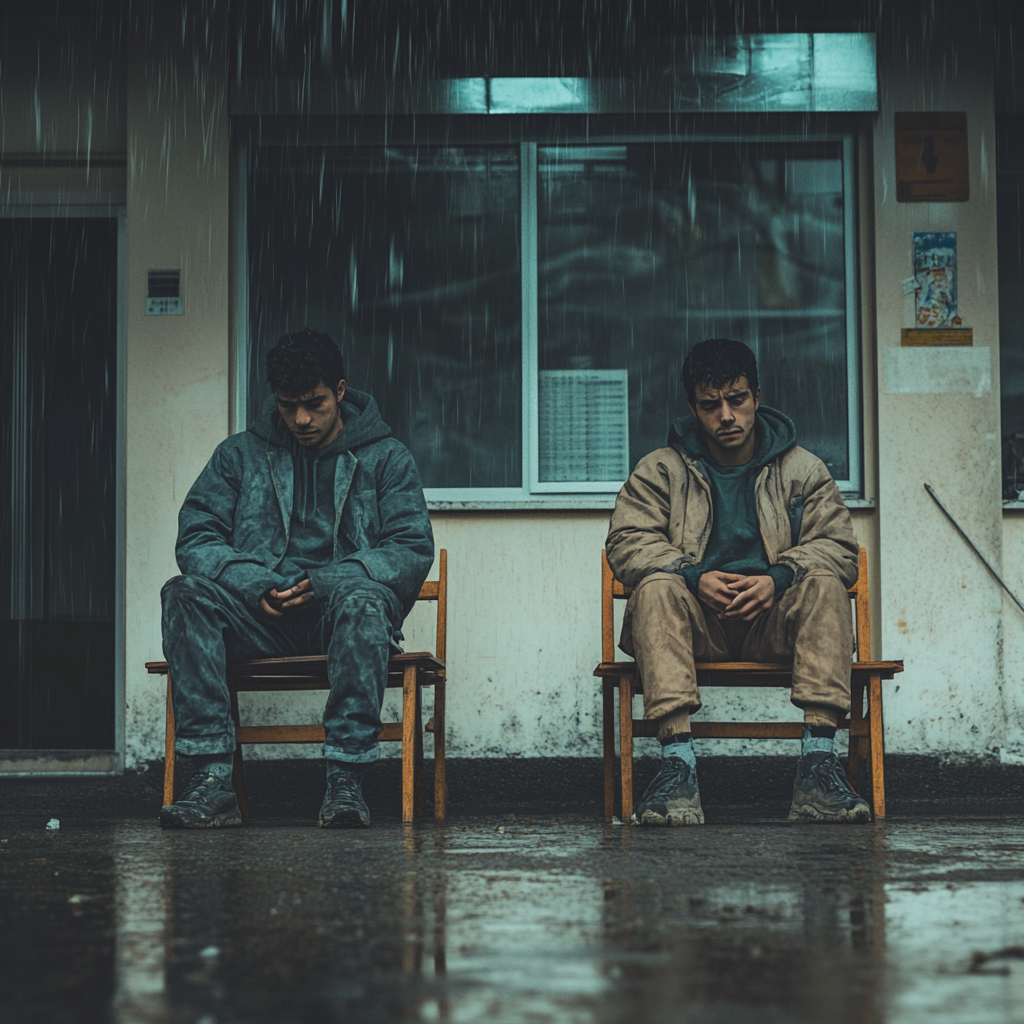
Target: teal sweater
(735,544)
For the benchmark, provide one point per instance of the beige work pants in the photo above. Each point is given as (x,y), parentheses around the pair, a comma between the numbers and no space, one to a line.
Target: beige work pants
(666,629)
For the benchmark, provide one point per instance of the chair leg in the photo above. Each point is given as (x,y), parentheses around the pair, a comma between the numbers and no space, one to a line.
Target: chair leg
(169,754)
(877,754)
(608,741)
(238,766)
(418,755)
(408,742)
(238,781)
(856,720)
(626,744)
(440,778)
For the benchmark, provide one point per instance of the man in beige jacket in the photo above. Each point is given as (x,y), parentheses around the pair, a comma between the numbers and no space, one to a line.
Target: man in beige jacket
(738,546)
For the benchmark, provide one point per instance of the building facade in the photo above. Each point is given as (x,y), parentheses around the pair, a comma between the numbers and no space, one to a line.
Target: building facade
(515,226)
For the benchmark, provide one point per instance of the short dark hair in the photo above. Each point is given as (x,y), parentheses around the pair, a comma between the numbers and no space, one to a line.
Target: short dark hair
(717,362)
(301,361)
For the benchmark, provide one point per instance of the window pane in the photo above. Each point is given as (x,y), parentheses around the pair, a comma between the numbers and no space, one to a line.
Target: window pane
(409,258)
(646,249)
(1010,241)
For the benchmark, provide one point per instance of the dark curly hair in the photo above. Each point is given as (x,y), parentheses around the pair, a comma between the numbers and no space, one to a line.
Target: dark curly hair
(301,361)
(717,362)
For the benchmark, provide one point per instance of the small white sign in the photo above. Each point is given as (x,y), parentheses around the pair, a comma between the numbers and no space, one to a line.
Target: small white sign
(584,425)
(165,305)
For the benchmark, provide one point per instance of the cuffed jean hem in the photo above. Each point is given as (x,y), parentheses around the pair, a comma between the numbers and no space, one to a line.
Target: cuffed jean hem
(209,745)
(816,713)
(364,757)
(665,706)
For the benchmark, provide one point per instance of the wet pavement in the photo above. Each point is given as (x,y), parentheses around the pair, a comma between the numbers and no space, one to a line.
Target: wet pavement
(513,919)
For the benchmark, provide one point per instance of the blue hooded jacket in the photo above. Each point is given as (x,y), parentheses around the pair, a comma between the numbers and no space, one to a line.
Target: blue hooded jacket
(234,525)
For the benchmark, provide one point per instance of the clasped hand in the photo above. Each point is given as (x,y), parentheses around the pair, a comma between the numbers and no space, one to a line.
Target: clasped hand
(277,603)
(731,596)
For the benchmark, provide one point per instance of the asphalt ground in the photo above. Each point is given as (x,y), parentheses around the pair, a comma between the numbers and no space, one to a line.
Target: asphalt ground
(512,918)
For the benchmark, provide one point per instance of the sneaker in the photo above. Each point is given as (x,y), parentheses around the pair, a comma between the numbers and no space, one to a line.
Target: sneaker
(672,798)
(209,801)
(344,806)
(821,792)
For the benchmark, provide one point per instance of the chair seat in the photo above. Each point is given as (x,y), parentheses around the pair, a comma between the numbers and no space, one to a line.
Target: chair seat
(309,671)
(747,673)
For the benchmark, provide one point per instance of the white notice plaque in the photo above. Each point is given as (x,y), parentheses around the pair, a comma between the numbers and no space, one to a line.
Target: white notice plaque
(583,426)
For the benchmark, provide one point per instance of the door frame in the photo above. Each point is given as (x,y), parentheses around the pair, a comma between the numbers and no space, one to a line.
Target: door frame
(62,763)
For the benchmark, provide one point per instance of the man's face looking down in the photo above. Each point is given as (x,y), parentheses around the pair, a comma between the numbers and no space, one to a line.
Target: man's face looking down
(315,417)
(727,416)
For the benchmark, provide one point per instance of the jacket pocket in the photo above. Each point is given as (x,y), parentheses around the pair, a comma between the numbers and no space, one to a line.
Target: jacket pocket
(796,518)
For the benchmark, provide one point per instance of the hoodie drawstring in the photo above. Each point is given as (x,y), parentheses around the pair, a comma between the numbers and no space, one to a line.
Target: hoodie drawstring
(304,504)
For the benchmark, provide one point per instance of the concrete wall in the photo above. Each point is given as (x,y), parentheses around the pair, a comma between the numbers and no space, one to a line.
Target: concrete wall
(63,111)
(62,88)
(938,409)
(177,386)
(1012,640)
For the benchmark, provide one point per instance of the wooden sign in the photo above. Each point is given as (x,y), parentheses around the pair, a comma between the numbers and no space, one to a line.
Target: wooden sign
(937,336)
(931,158)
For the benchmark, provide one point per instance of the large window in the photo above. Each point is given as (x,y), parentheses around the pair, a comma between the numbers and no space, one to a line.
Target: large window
(1010,240)
(521,313)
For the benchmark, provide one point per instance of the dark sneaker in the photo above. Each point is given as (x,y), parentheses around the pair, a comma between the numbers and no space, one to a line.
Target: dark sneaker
(344,806)
(672,798)
(821,792)
(209,801)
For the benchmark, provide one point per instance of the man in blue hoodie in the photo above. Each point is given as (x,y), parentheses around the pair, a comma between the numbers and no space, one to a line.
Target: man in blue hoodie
(306,534)
(737,546)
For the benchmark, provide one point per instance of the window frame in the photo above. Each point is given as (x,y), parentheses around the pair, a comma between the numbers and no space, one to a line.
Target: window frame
(533,493)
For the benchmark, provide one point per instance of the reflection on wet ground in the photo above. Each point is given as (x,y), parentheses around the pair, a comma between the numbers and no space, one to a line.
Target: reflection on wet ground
(519,919)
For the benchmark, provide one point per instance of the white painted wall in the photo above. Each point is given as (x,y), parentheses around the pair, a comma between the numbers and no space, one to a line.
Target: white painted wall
(938,410)
(1012,640)
(177,386)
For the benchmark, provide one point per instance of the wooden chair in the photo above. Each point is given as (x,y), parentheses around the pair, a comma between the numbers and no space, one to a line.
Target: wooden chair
(866,741)
(409,671)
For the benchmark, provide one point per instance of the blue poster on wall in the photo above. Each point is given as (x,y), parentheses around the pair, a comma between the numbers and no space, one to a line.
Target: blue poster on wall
(935,270)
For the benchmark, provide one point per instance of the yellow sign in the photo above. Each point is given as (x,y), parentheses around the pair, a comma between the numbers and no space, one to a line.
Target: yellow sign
(931,158)
(938,336)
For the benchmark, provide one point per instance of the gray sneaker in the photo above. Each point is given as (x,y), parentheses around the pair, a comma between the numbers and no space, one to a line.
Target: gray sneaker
(672,798)
(344,806)
(209,801)
(821,792)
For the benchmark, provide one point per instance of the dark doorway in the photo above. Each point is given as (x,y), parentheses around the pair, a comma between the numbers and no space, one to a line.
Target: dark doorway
(58,444)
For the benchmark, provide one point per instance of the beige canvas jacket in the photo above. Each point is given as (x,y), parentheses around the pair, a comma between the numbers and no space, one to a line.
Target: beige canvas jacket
(663,515)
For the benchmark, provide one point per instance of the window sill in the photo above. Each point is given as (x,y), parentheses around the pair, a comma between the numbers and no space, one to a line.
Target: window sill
(583,503)
(1013,505)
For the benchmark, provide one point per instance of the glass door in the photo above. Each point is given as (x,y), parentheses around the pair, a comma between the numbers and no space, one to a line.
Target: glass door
(58,508)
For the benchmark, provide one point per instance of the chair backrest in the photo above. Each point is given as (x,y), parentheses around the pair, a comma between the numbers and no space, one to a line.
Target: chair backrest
(612,590)
(437,590)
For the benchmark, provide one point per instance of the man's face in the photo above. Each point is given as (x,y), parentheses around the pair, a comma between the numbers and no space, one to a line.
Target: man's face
(313,418)
(727,416)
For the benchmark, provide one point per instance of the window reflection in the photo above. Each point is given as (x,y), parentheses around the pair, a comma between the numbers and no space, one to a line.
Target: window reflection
(409,258)
(645,249)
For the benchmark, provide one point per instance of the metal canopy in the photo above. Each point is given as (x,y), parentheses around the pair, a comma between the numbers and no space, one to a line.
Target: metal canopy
(784,73)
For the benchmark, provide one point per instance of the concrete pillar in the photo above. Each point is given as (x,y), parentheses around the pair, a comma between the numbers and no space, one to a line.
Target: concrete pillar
(938,409)
(177,383)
